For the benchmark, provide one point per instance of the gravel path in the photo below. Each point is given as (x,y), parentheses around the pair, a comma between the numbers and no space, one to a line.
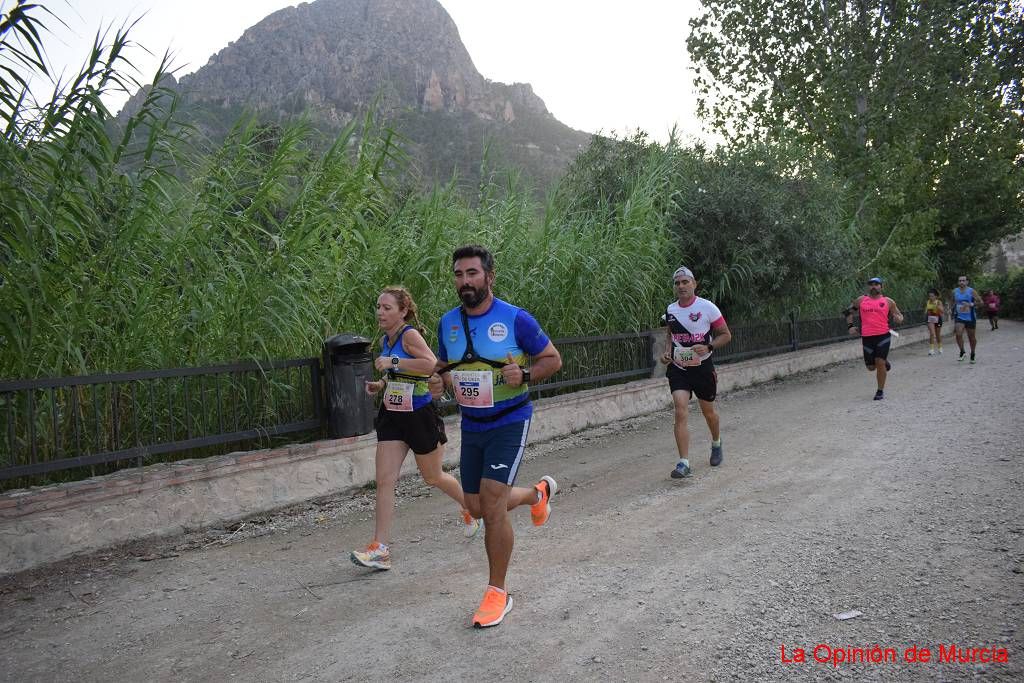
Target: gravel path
(908,510)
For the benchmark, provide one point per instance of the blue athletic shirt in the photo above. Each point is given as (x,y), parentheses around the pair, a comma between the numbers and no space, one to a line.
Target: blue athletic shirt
(503,329)
(960,298)
(421,390)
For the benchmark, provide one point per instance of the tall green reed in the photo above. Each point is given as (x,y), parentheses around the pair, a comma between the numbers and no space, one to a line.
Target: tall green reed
(142,245)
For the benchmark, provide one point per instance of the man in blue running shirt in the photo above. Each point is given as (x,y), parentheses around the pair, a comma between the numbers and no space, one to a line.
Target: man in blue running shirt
(963,306)
(488,353)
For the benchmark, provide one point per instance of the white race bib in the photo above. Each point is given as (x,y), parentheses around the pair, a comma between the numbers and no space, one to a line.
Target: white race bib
(398,397)
(474,388)
(685,357)
(933,318)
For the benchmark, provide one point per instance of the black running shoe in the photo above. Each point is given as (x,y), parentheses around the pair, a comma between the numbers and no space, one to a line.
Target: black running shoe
(681,470)
(716,454)
(879,395)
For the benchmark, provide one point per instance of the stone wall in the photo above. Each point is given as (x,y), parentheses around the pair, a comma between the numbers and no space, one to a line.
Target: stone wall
(45,524)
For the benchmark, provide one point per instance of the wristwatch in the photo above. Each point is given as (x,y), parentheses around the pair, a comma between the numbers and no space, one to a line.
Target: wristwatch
(394,362)
(526,375)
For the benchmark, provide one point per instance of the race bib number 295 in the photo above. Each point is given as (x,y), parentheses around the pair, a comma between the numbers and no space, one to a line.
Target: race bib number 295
(473,388)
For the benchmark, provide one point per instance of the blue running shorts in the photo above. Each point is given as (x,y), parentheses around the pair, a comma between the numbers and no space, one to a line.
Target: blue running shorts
(494,454)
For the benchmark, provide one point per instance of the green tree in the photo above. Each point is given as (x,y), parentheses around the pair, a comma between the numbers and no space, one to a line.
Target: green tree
(607,170)
(764,237)
(765,228)
(918,105)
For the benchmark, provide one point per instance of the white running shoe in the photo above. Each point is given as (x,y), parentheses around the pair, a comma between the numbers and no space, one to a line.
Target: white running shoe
(471,525)
(376,556)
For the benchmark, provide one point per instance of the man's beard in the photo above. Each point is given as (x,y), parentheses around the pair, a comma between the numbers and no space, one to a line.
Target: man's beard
(472,297)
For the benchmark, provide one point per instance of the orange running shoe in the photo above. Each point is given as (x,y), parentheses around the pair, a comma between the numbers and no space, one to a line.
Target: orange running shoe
(493,608)
(472,525)
(541,510)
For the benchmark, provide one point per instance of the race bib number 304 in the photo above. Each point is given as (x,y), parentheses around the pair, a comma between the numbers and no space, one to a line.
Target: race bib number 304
(685,357)
(474,388)
(398,397)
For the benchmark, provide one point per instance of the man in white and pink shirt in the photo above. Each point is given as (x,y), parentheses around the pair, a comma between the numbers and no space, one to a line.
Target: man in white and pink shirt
(695,329)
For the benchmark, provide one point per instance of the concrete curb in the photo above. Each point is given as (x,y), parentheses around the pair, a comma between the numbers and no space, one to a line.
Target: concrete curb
(46,524)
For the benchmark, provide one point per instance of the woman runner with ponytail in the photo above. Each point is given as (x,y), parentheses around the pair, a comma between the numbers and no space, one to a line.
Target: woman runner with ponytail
(407,420)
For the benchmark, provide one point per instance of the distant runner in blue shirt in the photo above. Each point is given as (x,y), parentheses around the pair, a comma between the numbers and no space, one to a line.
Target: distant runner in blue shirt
(963,309)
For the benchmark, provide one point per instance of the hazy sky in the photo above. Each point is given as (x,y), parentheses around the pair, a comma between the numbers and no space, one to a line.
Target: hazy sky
(597,64)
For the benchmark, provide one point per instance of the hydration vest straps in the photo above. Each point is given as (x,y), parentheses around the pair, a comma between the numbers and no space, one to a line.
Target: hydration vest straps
(392,374)
(498,415)
(398,339)
(469,355)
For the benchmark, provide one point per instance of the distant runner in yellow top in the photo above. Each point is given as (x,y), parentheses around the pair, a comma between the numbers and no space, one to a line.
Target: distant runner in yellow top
(933,312)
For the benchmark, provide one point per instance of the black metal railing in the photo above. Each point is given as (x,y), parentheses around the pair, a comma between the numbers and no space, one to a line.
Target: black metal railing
(47,425)
(68,422)
(912,319)
(589,362)
(757,339)
(792,334)
(600,360)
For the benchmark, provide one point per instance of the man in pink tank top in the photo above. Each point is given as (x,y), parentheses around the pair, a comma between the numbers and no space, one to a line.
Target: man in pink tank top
(874,311)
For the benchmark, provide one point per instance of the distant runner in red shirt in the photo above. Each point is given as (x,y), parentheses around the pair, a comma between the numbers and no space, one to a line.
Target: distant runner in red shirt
(874,310)
(991,301)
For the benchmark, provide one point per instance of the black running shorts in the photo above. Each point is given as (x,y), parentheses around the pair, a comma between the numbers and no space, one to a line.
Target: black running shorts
(422,430)
(701,380)
(875,346)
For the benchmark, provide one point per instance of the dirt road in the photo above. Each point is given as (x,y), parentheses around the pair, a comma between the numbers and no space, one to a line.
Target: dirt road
(910,510)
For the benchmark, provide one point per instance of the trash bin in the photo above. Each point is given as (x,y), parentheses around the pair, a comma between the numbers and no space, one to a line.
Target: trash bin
(348,365)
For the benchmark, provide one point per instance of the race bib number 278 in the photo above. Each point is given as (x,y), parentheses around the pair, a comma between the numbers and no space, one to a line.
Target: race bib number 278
(398,397)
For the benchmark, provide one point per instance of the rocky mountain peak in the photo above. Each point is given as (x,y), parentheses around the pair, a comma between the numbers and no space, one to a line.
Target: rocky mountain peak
(334,59)
(339,56)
